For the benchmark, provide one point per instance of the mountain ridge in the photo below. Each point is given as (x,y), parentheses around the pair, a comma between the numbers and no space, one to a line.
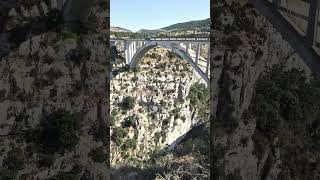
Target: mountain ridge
(188,25)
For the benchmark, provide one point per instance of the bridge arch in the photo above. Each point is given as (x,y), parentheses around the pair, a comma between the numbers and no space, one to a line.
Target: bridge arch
(174,47)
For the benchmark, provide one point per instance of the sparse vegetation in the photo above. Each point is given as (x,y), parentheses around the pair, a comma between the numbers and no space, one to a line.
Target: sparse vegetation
(65,176)
(113,115)
(233,41)
(60,131)
(199,99)
(127,103)
(15,159)
(284,99)
(118,135)
(98,155)
(45,160)
(129,122)
(130,144)
(12,163)
(53,74)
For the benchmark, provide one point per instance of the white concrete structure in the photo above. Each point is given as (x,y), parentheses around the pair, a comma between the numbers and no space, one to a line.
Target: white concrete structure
(135,50)
(276,12)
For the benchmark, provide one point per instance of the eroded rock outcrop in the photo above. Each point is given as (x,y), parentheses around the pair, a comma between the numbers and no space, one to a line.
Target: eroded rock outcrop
(161,111)
(53,99)
(245,46)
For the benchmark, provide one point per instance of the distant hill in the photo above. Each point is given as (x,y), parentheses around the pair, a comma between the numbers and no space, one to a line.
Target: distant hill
(179,29)
(146,31)
(119,29)
(191,25)
(203,25)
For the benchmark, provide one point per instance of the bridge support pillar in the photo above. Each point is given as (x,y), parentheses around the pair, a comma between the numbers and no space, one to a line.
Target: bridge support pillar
(188,46)
(313,22)
(133,48)
(126,51)
(198,53)
(131,51)
(139,44)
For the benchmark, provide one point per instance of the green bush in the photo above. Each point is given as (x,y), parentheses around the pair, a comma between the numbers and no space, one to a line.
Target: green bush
(97,155)
(284,99)
(45,160)
(65,176)
(129,122)
(12,163)
(127,103)
(60,131)
(7,174)
(69,35)
(130,144)
(198,94)
(199,99)
(233,41)
(15,159)
(171,54)
(53,74)
(113,115)
(118,135)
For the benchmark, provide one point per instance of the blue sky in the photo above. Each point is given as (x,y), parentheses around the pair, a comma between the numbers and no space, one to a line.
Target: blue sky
(153,14)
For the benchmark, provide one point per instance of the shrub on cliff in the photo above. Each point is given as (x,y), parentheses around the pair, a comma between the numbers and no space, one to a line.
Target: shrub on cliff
(14,160)
(118,135)
(127,103)
(199,99)
(171,54)
(130,144)
(97,155)
(113,115)
(233,41)
(60,131)
(12,163)
(285,100)
(129,122)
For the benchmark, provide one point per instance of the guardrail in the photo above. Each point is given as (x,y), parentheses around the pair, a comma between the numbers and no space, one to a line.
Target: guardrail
(180,39)
(163,39)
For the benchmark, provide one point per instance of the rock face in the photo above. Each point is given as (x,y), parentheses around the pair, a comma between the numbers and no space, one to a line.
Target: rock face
(161,111)
(48,74)
(245,46)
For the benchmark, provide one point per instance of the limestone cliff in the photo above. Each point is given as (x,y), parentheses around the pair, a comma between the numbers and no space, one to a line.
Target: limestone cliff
(53,97)
(151,109)
(245,46)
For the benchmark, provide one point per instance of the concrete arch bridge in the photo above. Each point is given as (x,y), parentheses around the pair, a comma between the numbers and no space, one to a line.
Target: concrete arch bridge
(298,22)
(135,49)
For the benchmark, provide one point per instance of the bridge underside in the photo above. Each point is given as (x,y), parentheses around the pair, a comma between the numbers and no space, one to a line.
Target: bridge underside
(301,44)
(139,56)
(134,52)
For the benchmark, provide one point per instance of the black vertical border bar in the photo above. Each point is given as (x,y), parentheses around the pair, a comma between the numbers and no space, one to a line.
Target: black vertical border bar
(211,113)
(108,63)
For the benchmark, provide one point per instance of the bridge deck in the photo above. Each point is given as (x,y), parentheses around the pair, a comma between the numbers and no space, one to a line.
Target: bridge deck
(289,33)
(173,40)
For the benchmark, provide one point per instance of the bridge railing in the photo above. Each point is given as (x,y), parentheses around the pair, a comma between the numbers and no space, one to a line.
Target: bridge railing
(180,39)
(163,39)
(297,14)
